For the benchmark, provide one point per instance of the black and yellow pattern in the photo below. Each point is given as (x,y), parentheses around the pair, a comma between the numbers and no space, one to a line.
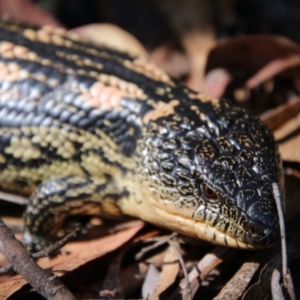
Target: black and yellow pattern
(86,129)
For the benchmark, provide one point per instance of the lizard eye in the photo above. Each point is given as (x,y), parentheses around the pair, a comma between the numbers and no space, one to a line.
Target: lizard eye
(209,193)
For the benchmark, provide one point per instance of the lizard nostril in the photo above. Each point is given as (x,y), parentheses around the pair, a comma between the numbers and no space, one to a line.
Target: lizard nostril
(253,231)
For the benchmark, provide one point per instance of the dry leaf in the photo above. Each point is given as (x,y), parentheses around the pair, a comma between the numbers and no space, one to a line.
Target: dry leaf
(80,253)
(287,129)
(276,117)
(112,36)
(168,273)
(204,267)
(10,284)
(238,283)
(150,282)
(289,150)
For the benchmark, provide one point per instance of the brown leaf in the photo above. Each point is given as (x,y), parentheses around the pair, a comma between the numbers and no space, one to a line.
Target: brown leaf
(112,36)
(210,261)
(238,283)
(168,273)
(290,149)
(82,252)
(287,134)
(79,253)
(251,54)
(276,117)
(9,285)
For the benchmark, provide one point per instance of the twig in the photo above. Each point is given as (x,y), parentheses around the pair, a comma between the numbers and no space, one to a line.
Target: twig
(271,69)
(58,245)
(186,276)
(48,285)
(48,251)
(209,262)
(276,194)
(275,286)
(287,280)
(155,245)
(237,285)
(13,198)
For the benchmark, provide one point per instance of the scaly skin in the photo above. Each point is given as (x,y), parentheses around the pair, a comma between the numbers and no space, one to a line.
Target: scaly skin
(86,129)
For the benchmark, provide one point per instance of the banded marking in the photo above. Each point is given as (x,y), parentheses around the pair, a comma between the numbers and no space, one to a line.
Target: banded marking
(160,109)
(143,66)
(203,98)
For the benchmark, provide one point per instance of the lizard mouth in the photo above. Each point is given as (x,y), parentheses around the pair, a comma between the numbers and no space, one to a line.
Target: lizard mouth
(200,230)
